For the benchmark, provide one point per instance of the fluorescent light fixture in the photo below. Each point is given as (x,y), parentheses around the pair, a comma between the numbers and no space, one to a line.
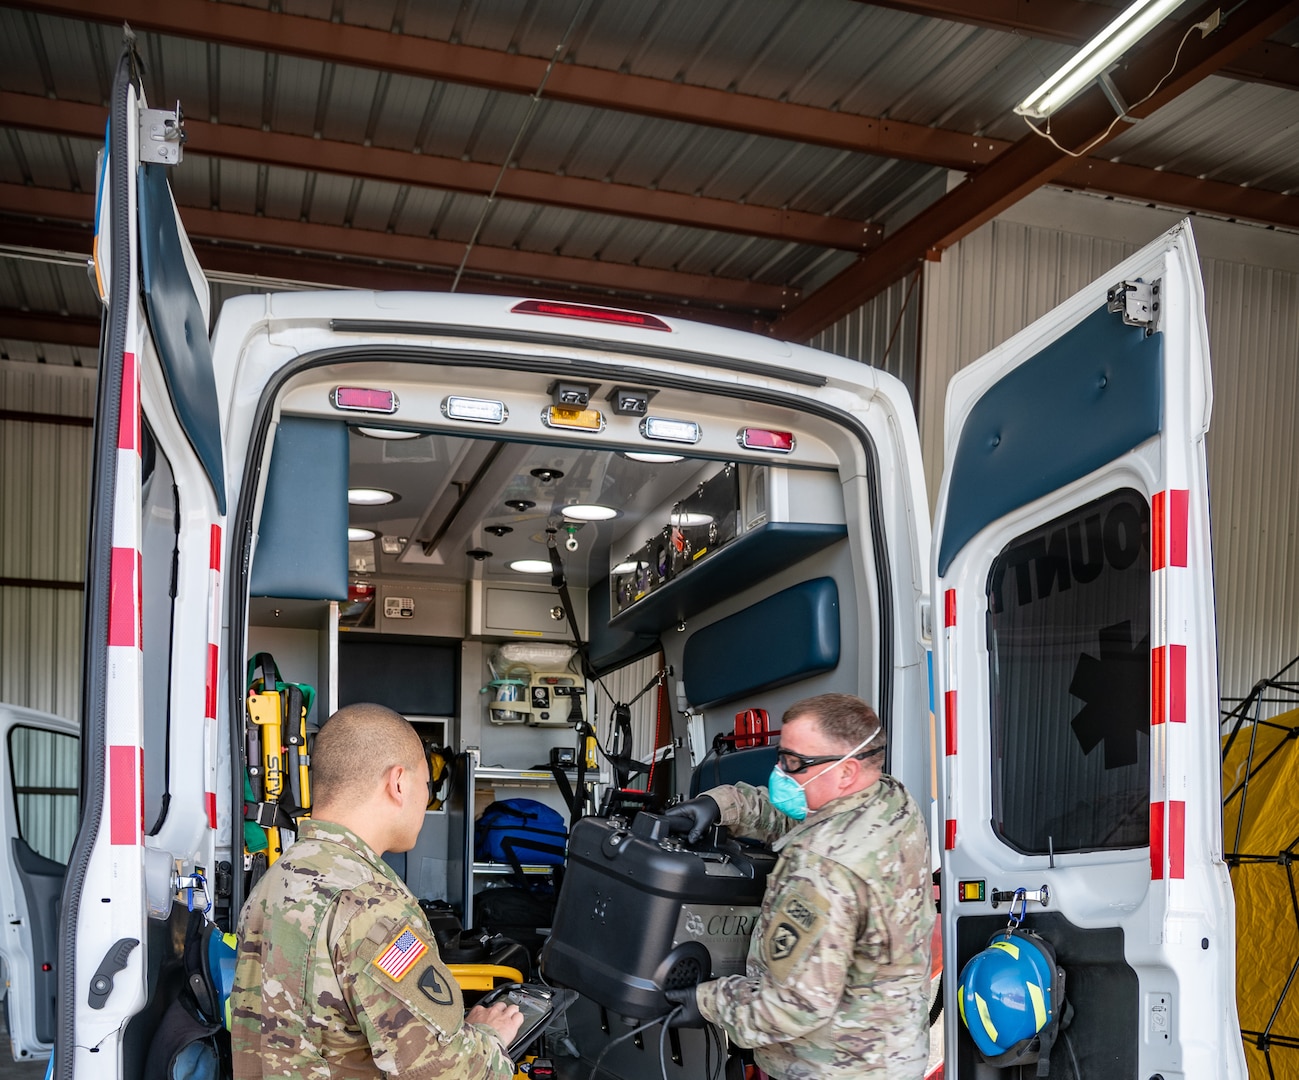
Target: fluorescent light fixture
(475,410)
(589,512)
(660,427)
(645,455)
(684,518)
(1096,57)
(530,566)
(356,536)
(388,433)
(370,496)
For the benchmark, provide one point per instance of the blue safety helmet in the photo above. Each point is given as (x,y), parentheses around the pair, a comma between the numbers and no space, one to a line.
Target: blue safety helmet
(1005,995)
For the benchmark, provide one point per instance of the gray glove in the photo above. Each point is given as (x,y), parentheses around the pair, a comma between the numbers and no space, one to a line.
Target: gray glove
(693,816)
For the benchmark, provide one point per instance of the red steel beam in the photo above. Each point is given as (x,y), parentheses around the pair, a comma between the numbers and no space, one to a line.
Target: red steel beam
(359,46)
(1033,161)
(49,328)
(336,240)
(74,119)
(273,269)
(1073,22)
(71,118)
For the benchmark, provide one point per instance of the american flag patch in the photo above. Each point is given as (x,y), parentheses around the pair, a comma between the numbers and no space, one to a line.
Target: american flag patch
(401,955)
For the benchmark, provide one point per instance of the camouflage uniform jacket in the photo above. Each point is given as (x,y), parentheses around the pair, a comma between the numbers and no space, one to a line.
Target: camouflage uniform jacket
(337,975)
(837,978)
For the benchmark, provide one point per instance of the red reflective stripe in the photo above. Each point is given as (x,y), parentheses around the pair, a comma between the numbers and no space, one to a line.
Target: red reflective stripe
(209,702)
(949,608)
(949,715)
(210,800)
(1176,839)
(949,834)
(128,421)
(125,811)
(1156,841)
(1157,685)
(1157,531)
(139,606)
(214,552)
(122,596)
(1178,500)
(1177,684)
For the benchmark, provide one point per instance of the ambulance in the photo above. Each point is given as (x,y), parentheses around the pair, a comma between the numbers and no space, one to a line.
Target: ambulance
(422,499)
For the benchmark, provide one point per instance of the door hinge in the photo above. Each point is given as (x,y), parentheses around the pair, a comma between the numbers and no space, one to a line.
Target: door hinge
(162,136)
(1137,302)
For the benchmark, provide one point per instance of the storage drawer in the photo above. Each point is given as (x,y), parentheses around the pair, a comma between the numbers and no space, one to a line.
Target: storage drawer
(518,611)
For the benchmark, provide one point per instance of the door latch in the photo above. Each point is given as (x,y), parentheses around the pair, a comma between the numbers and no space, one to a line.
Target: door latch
(162,135)
(1137,302)
(1033,896)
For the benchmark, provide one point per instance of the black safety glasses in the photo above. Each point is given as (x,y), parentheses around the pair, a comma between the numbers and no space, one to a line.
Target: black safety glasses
(793,764)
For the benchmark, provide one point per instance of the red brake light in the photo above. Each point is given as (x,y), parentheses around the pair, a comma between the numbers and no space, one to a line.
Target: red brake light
(360,399)
(780,442)
(590,313)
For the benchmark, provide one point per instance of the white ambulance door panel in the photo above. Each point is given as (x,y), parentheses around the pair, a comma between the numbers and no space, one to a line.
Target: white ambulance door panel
(38,818)
(1076,668)
(153,608)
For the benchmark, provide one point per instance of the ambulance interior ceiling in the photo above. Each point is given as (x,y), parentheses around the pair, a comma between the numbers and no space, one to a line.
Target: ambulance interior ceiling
(456,497)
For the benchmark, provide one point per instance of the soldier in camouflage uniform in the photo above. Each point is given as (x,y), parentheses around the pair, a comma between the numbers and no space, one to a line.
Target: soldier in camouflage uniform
(837,978)
(337,973)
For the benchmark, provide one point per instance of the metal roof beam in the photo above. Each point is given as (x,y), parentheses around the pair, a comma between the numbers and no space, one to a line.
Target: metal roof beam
(1074,22)
(358,46)
(425,255)
(1084,125)
(49,328)
(71,118)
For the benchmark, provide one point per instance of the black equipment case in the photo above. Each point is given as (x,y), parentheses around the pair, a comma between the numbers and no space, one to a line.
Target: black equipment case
(641,911)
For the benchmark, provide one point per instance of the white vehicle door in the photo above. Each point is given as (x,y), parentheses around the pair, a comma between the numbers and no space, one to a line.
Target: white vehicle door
(1076,664)
(158,507)
(38,817)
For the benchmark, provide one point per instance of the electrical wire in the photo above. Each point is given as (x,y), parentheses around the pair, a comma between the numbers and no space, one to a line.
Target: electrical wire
(1201,26)
(631,1034)
(533,102)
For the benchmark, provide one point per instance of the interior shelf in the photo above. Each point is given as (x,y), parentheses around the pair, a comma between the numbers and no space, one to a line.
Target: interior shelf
(766,550)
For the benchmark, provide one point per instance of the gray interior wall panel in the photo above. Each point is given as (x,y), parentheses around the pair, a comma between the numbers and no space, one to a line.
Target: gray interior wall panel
(44,491)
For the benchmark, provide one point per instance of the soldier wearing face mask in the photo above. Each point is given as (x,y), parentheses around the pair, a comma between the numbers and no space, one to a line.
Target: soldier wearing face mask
(837,978)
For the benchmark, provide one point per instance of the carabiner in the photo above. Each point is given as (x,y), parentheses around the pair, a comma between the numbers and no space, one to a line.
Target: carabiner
(1020,898)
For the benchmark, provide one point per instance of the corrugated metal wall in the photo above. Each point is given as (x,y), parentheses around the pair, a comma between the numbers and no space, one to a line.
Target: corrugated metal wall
(884,333)
(44,493)
(1014,269)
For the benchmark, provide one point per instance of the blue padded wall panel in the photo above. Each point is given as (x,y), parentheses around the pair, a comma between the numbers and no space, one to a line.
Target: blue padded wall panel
(786,637)
(177,324)
(1080,403)
(302,540)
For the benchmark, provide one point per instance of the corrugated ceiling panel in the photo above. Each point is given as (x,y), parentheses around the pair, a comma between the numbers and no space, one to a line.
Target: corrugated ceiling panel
(22,69)
(1005,275)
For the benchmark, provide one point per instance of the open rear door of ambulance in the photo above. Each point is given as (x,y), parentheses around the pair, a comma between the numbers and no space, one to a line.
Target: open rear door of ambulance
(1076,663)
(152,608)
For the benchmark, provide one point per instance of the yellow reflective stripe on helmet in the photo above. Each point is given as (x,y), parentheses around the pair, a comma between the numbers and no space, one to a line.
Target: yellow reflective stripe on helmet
(1006,946)
(960,1004)
(1039,1005)
(985,1018)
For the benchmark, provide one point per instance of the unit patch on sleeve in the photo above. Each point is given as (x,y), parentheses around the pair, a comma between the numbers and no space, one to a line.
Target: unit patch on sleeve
(402,953)
(796,925)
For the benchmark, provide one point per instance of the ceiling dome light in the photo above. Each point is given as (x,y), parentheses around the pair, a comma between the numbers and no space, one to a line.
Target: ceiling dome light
(356,536)
(685,518)
(626,568)
(589,512)
(530,566)
(388,433)
(370,496)
(645,455)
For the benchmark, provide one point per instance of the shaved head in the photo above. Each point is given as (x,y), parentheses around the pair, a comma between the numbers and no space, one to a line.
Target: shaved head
(355,749)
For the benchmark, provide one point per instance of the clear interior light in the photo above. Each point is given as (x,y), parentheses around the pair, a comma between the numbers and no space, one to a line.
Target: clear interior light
(530,566)
(589,512)
(369,496)
(356,536)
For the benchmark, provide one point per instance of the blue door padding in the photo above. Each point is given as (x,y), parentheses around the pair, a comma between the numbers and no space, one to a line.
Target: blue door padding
(782,639)
(1081,402)
(301,551)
